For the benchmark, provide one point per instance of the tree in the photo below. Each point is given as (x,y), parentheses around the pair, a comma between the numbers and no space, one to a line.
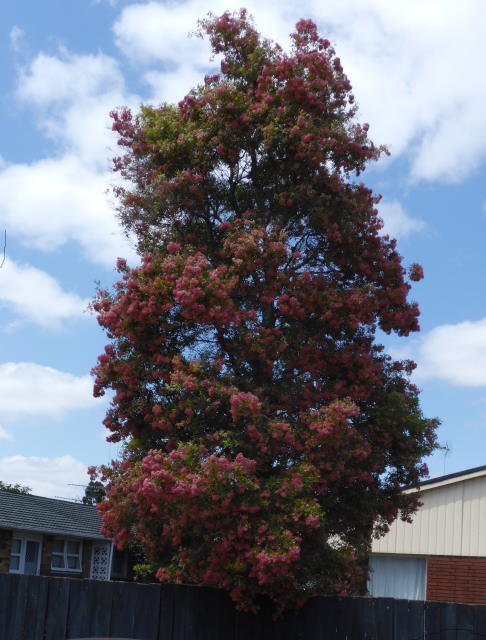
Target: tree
(266,434)
(15,488)
(94,493)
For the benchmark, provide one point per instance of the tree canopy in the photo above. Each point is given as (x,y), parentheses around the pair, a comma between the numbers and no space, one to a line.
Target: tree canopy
(266,433)
(15,488)
(94,493)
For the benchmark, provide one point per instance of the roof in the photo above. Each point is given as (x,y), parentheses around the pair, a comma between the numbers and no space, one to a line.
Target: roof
(48,515)
(458,474)
(451,478)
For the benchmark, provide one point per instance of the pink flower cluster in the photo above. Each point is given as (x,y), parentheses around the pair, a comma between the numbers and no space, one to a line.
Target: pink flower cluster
(245,405)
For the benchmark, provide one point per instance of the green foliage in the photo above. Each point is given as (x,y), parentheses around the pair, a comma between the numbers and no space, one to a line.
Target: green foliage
(143,572)
(15,488)
(94,493)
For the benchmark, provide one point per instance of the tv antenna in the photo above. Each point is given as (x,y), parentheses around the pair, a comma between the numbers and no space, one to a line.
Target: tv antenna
(446,449)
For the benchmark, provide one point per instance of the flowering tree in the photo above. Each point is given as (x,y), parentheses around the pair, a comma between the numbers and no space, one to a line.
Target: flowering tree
(265,432)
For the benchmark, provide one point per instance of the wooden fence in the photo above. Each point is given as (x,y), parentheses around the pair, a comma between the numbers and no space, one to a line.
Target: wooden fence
(40,608)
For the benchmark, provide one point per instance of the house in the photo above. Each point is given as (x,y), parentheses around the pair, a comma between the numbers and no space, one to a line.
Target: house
(54,538)
(441,554)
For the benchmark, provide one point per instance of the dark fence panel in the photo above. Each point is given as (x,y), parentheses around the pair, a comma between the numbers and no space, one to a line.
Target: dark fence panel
(41,608)
(409,620)
(57,607)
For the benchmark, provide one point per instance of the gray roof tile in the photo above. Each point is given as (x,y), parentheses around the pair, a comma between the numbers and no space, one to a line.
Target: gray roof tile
(48,515)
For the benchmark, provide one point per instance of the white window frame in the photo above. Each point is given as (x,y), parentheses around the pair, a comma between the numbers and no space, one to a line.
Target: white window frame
(65,554)
(23,539)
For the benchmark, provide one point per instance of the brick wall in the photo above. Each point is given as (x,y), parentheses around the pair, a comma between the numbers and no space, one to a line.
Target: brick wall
(45,565)
(456,579)
(87,548)
(5,546)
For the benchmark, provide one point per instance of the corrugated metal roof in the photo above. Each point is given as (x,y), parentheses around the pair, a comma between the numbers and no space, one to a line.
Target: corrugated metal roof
(48,515)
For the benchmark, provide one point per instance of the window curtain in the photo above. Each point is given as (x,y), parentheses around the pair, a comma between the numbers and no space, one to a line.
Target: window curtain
(397,577)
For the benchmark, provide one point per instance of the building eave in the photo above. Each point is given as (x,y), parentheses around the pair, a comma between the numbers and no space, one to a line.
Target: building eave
(451,478)
(56,532)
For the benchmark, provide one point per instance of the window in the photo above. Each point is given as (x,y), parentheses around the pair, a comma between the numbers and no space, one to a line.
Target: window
(24,554)
(397,576)
(66,555)
(119,564)
(15,554)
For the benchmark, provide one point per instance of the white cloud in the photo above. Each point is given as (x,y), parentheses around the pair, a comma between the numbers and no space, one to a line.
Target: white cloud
(52,201)
(63,198)
(16,36)
(455,353)
(72,96)
(5,435)
(412,66)
(84,129)
(36,296)
(397,222)
(50,79)
(155,31)
(30,389)
(172,86)
(48,477)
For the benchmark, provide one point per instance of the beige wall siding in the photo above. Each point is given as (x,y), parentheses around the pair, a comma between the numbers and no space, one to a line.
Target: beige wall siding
(452,521)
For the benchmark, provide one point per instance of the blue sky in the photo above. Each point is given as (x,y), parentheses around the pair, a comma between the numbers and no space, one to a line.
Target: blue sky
(416,72)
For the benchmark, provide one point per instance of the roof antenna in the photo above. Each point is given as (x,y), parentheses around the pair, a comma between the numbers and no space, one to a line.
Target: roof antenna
(446,449)
(4,248)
